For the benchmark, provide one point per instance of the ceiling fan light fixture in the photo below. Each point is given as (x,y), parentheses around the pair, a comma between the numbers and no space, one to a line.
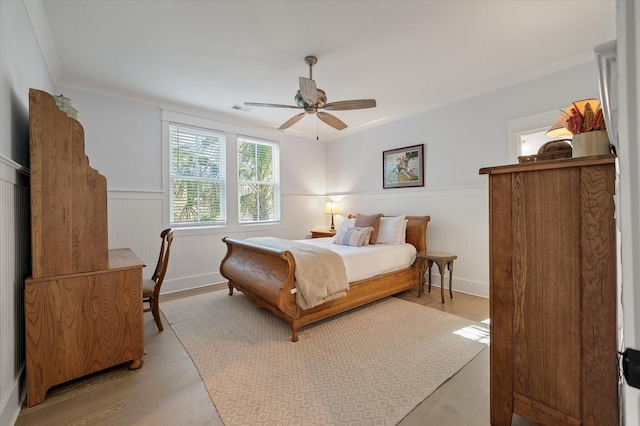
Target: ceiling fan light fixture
(311,99)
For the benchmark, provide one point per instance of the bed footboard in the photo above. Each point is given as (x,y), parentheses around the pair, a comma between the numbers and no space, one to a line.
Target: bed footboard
(264,275)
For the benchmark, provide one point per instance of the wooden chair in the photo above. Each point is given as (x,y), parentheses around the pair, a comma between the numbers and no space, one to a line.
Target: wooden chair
(151,287)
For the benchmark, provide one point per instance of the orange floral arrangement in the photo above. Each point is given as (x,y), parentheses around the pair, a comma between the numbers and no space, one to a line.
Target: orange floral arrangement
(584,121)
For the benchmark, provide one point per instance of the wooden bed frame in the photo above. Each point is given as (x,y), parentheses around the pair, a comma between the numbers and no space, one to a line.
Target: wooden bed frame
(266,277)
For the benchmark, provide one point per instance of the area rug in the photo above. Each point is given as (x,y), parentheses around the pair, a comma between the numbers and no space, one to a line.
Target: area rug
(372,365)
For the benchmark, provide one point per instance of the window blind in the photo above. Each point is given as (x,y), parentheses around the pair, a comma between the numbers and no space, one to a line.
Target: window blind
(197,175)
(258,181)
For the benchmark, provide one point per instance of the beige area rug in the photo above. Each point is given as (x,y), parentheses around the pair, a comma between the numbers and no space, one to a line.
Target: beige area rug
(370,366)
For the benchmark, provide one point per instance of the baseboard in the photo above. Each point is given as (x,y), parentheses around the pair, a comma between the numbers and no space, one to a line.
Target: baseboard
(12,402)
(193,291)
(473,288)
(188,283)
(196,282)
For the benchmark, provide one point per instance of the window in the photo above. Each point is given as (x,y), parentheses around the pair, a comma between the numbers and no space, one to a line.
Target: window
(197,176)
(531,142)
(525,134)
(258,181)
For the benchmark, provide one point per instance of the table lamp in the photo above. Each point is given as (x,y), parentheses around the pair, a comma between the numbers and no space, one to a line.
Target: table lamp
(332,207)
(559,128)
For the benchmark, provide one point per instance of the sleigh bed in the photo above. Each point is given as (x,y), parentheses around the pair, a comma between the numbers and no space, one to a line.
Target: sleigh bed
(267,277)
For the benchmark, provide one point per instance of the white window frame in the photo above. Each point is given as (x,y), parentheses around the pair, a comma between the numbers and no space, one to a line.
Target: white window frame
(275,182)
(231,130)
(221,179)
(522,126)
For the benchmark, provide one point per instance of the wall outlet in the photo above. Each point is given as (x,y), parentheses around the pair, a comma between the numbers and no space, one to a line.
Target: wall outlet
(631,367)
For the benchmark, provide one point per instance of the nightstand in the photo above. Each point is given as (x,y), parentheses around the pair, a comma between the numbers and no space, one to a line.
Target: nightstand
(323,233)
(441,258)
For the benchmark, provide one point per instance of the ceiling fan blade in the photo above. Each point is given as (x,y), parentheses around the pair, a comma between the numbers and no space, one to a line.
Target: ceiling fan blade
(353,104)
(331,120)
(259,104)
(308,90)
(293,120)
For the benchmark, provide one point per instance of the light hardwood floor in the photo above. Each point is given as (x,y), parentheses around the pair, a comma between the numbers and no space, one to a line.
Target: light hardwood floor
(167,390)
(463,400)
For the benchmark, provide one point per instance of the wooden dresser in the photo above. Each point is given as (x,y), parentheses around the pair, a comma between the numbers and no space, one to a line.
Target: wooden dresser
(553,292)
(83,302)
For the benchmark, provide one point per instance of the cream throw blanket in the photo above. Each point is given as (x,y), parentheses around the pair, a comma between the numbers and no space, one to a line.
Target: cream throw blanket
(320,273)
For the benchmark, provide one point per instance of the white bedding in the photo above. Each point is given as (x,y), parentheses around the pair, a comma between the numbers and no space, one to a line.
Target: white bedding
(367,261)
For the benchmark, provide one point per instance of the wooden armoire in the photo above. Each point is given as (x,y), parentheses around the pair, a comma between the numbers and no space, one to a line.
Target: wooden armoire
(83,302)
(553,292)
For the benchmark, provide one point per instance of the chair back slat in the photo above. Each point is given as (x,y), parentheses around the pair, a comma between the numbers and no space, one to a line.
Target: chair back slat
(158,278)
(163,258)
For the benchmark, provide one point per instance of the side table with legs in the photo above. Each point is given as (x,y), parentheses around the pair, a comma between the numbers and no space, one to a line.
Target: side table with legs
(442,259)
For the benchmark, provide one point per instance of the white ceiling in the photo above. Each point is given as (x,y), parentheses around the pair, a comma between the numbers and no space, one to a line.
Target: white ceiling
(410,56)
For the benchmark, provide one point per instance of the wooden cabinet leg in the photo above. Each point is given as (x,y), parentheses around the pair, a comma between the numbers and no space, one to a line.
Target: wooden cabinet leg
(421,271)
(441,270)
(35,394)
(450,279)
(134,364)
(500,417)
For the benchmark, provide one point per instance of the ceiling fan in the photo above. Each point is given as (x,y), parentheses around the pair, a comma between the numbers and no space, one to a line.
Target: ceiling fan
(311,100)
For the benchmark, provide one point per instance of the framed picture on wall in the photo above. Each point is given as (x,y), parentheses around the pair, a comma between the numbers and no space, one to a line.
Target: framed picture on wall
(403,167)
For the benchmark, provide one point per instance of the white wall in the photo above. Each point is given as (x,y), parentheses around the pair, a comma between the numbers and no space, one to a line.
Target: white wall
(459,218)
(21,67)
(122,139)
(124,142)
(459,139)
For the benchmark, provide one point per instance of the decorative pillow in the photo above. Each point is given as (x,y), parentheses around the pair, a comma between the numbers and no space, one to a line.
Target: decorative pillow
(345,225)
(391,230)
(367,230)
(373,220)
(350,237)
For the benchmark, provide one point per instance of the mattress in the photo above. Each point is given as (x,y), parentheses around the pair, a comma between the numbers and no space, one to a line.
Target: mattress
(371,260)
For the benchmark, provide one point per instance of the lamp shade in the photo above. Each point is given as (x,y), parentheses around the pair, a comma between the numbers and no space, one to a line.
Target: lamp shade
(332,207)
(559,128)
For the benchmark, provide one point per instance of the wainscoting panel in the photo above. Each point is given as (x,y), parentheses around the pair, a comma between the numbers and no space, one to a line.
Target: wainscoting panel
(459,224)
(197,256)
(137,218)
(135,222)
(15,266)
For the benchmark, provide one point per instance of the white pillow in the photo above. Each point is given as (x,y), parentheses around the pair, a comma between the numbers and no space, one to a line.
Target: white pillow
(392,230)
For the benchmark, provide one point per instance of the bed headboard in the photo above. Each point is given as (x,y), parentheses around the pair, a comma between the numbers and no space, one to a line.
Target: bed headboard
(416,231)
